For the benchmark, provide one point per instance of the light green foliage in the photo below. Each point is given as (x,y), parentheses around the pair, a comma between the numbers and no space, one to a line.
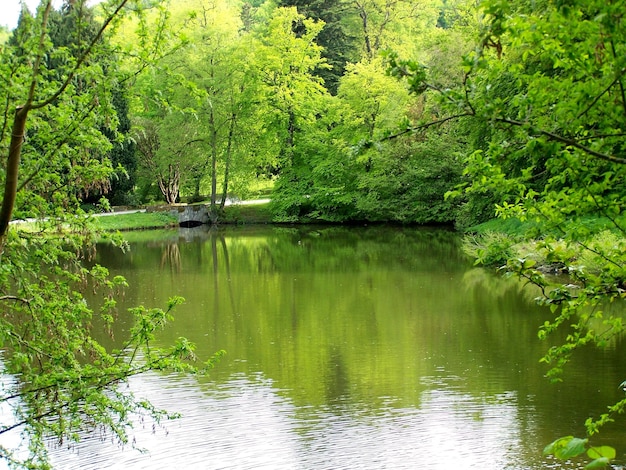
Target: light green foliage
(291,95)
(338,173)
(198,106)
(568,447)
(320,183)
(564,121)
(4,34)
(384,24)
(544,95)
(374,101)
(295,108)
(337,43)
(64,380)
(489,248)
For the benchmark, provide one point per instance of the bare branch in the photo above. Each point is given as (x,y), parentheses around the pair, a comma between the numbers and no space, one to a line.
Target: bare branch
(13,297)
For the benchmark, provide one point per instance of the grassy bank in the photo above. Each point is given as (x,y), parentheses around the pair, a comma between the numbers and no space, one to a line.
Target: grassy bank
(136,221)
(495,242)
(247,214)
(235,214)
(515,227)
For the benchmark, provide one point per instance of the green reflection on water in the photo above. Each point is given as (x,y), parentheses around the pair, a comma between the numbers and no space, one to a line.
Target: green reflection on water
(368,317)
(367,310)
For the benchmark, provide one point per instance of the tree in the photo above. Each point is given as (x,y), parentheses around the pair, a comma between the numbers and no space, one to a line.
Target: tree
(391,24)
(374,100)
(556,159)
(204,123)
(64,379)
(167,177)
(292,98)
(123,154)
(71,28)
(221,86)
(404,180)
(338,45)
(408,179)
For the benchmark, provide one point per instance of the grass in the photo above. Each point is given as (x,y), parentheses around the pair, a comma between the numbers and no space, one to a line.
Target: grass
(588,224)
(247,214)
(495,241)
(136,221)
(506,226)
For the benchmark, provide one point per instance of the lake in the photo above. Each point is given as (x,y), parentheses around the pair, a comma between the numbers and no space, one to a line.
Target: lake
(347,348)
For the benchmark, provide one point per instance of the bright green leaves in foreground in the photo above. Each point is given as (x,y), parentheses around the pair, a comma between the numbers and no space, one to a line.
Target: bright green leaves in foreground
(56,308)
(52,338)
(569,447)
(544,105)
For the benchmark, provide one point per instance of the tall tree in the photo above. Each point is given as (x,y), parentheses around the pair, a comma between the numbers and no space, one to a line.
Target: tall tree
(71,27)
(64,379)
(293,98)
(285,62)
(123,153)
(339,46)
(391,24)
(210,101)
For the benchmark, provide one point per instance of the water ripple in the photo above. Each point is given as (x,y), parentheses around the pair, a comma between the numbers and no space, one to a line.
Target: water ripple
(248,424)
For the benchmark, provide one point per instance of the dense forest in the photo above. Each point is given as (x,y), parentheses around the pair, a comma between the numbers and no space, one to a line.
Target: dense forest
(234,96)
(431,111)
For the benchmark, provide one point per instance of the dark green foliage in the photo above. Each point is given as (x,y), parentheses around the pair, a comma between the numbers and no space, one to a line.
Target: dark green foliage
(71,29)
(123,155)
(401,181)
(407,180)
(339,45)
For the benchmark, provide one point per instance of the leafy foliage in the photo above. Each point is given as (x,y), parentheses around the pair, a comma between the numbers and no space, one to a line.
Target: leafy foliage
(57,120)
(569,447)
(335,38)
(544,96)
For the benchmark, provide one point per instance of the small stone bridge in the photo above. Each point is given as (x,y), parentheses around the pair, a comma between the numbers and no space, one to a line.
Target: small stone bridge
(189,215)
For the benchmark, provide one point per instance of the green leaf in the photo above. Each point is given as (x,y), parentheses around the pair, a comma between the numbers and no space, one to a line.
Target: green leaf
(574,447)
(598,463)
(601,452)
(551,448)
(566,447)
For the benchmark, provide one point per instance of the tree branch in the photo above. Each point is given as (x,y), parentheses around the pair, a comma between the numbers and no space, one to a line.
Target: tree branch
(18,131)
(420,127)
(13,297)
(81,60)
(21,114)
(567,141)
(606,90)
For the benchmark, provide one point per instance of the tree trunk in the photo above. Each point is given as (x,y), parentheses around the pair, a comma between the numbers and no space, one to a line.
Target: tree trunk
(229,152)
(13,166)
(366,33)
(213,213)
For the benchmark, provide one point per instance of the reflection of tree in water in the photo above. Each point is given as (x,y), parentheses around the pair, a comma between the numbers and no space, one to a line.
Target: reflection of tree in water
(336,380)
(216,236)
(171,257)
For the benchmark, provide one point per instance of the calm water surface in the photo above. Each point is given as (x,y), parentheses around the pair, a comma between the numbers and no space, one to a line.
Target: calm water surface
(360,348)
